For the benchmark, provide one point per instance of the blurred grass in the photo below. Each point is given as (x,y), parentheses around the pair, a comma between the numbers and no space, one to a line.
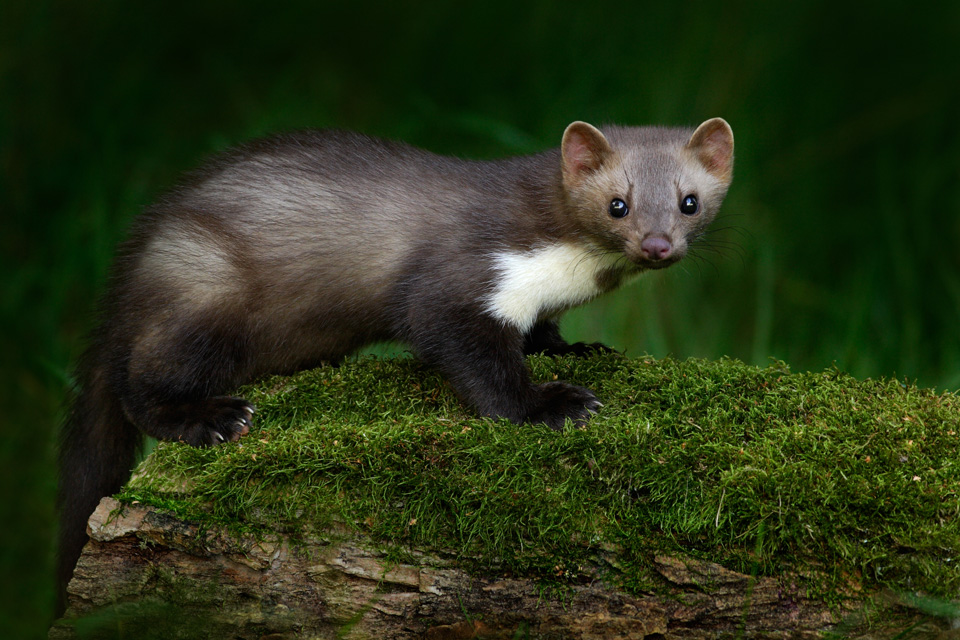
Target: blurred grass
(845,211)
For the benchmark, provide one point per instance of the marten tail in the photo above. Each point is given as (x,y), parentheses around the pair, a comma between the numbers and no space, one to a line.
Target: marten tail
(98,448)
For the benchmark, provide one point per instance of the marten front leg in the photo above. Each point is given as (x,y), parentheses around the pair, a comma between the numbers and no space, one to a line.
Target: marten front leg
(545,338)
(483,359)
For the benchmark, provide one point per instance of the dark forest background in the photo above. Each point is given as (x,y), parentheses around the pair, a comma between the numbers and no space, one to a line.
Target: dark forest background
(841,234)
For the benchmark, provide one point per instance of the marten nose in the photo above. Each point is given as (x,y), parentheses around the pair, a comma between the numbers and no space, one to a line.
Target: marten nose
(655,248)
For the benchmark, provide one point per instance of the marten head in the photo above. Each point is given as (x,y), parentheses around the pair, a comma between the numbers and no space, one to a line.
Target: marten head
(647,192)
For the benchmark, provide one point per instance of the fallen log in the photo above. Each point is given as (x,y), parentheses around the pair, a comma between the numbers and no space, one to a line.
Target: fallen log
(355,515)
(251,587)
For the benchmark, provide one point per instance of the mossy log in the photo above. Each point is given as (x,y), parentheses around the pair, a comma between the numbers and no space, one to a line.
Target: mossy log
(189,579)
(705,500)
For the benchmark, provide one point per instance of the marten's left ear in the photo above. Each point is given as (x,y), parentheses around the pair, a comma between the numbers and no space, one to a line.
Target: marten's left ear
(712,144)
(584,150)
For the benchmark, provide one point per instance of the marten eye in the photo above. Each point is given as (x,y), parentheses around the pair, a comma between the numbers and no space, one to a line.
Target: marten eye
(618,208)
(689,205)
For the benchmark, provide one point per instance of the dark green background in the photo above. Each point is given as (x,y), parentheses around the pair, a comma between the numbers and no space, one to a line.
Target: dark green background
(842,239)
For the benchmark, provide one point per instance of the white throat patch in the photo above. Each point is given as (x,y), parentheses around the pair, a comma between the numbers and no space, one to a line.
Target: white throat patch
(545,280)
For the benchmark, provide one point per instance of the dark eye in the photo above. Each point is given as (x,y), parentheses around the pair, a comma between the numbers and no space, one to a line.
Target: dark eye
(618,208)
(689,205)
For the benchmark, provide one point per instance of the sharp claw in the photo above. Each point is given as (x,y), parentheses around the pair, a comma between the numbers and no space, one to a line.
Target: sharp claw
(218,434)
(250,410)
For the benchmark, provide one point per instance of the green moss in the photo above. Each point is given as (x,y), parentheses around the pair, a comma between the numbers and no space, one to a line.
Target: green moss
(850,483)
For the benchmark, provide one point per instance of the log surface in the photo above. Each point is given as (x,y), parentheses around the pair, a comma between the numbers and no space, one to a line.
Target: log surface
(342,586)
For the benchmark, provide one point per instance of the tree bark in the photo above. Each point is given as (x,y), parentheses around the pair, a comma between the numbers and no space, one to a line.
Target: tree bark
(160,576)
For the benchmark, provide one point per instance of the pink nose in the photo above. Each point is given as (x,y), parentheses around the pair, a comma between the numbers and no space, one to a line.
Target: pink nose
(655,248)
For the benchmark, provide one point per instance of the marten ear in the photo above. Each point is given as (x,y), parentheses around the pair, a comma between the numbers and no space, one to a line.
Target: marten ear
(712,144)
(584,151)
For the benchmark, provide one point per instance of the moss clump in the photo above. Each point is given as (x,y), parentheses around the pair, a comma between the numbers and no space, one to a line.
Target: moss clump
(851,483)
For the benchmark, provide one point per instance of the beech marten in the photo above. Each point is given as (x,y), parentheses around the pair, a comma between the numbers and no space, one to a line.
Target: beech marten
(299,249)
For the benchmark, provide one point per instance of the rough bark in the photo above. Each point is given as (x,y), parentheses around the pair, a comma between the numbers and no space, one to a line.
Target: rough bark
(188,581)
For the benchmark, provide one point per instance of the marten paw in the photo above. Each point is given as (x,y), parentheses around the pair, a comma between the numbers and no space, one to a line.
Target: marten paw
(560,401)
(585,349)
(217,420)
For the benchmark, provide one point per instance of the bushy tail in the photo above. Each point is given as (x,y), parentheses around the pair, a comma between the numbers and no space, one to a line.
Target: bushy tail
(98,447)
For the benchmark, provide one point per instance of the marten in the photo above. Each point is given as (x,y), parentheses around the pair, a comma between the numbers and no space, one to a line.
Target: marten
(298,249)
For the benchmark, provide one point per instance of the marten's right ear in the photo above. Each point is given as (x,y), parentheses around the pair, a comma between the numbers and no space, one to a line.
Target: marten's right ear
(584,151)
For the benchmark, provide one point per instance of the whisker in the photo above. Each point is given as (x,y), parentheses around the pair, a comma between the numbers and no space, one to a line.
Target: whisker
(700,260)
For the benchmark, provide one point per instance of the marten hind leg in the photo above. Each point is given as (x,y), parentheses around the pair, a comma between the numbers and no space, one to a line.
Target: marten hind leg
(174,385)
(200,423)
